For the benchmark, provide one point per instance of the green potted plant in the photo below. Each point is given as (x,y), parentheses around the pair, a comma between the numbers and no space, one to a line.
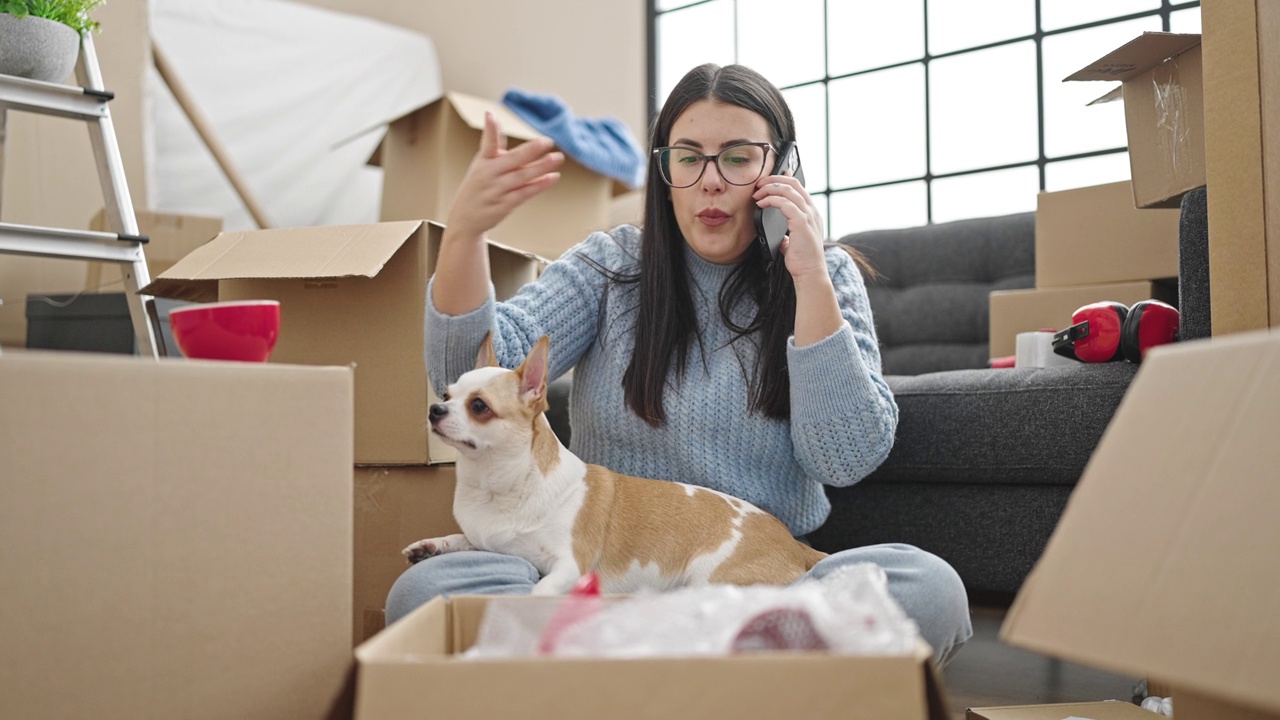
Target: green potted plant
(40,39)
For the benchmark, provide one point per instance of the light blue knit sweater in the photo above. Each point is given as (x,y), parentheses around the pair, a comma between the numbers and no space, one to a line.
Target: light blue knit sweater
(843,415)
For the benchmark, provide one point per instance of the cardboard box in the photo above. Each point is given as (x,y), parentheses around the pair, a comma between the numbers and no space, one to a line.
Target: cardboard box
(177,538)
(410,667)
(350,295)
(426,154)
(172,237)
(1019,311)
(1242,144)
(1163,562)
(1164,113)
(1094,235)
(1106,710)
(395,506)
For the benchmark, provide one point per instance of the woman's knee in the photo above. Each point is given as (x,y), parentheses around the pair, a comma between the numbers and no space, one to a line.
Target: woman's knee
(460,573)
(926,586)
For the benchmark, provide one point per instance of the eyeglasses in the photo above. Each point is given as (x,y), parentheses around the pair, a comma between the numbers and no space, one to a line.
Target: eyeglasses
(740,164)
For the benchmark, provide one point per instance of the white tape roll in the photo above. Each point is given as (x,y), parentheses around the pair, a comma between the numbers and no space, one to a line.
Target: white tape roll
(1035,350)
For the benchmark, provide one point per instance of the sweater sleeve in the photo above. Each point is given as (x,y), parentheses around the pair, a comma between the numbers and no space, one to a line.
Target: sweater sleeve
(563,303)
(843,415)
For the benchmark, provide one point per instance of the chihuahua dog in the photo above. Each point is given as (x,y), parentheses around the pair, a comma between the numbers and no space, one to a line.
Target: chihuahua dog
(520,492)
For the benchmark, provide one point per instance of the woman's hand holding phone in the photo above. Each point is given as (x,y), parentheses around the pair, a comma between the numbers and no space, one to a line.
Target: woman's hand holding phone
(802,246)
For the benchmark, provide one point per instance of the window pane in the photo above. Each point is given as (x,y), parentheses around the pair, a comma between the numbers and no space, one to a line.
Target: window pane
(684,43)
(982,108)
(877,127)
(823,203)
(1086,171)
(1185,21)
(1001,192)
(890,206)
(670,4)
(960,24)
(862,36)
(1055,14)
(809,106)
(785,47)
(1071,125)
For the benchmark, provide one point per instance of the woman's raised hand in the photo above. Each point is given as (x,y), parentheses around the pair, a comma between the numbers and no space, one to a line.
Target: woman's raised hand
(499,180)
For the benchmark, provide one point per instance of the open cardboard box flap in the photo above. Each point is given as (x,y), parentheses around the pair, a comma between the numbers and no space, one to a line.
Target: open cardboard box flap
(1137,56)
(1134,58)
(306,252)
(330,283)
(1164,561)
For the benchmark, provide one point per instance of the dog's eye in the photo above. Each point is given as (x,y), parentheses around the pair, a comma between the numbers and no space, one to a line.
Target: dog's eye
(479,407)
(446,397)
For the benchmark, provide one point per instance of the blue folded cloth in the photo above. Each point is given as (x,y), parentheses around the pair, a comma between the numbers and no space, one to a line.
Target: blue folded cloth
(604,144)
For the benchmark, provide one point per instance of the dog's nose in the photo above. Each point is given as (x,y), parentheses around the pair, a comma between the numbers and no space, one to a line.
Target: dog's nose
(438,411)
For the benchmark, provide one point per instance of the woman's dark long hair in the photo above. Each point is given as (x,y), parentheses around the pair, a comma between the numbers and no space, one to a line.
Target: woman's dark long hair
(666,324)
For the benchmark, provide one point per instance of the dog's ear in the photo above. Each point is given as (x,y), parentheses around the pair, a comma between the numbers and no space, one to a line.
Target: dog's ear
(486,357)
(533,371)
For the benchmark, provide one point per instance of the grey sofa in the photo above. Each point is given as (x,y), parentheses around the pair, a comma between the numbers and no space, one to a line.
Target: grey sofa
(984,459)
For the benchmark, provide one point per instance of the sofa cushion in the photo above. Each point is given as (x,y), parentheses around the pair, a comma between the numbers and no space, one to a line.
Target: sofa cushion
(991,534)
(1013,426)
(930,297)
(1193,267)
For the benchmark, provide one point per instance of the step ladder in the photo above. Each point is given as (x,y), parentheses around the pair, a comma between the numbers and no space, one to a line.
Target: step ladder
(124,245)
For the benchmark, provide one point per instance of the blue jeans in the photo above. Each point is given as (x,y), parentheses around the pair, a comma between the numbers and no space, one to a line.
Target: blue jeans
(926,587)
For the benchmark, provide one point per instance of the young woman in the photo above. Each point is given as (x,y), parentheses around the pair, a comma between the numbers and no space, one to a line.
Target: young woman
(695,358)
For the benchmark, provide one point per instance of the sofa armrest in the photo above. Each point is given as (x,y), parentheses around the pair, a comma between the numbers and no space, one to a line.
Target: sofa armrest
(1037,425)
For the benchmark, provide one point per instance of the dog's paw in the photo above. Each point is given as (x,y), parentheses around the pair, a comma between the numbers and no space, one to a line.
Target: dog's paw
(423,549)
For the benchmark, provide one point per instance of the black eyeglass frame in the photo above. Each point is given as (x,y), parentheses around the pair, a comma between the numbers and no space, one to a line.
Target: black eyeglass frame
(714,158)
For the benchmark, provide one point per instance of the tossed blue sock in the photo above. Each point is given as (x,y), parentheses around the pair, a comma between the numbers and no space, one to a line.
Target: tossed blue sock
(604,144)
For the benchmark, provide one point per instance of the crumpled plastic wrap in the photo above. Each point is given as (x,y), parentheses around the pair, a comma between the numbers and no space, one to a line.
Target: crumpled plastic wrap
(849,611)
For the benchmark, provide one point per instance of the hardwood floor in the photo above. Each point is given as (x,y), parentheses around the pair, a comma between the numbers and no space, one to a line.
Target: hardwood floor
(986,673)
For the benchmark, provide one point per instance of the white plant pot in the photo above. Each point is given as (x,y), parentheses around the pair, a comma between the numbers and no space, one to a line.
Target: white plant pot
(36,48)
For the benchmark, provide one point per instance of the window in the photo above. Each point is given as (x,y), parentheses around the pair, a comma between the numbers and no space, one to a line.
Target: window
(917,111)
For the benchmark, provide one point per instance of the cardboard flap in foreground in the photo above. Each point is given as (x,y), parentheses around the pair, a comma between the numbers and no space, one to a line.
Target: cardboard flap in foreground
(1164,561)
(304,252)
(1137,56)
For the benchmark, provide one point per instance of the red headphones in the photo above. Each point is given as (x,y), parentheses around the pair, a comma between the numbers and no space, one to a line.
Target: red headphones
(1105,331)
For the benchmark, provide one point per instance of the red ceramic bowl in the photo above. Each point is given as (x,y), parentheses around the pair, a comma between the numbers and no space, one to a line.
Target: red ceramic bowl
(243,330)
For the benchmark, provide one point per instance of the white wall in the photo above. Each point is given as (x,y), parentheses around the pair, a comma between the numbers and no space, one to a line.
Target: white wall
(591,53)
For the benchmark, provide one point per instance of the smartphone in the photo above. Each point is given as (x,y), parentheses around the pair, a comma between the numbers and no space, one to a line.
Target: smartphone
(771,224)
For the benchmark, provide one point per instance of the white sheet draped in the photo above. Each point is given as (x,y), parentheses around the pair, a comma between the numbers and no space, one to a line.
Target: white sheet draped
(299,96)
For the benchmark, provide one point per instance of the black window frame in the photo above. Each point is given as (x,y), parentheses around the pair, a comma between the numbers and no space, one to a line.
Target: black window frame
(1167,7)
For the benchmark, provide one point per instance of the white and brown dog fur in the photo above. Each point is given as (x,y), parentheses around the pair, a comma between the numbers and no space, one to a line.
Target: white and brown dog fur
(520,492)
